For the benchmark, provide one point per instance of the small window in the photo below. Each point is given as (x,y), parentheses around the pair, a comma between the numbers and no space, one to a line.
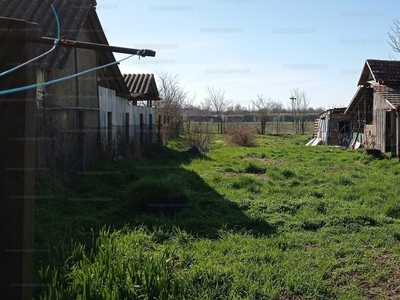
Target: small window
(344,127)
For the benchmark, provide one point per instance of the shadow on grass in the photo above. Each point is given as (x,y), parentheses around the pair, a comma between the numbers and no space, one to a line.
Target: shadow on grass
(100,197)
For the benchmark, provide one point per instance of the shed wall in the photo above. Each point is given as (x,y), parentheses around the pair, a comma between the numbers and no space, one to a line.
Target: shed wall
(124,138)
(68,117)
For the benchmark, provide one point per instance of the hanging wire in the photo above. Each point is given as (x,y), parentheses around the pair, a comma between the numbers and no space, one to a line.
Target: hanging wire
(28,87)
(42,55)
(58,25)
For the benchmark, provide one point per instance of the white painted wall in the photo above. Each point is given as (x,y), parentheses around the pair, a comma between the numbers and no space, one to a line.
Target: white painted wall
(110,102)
(118,106)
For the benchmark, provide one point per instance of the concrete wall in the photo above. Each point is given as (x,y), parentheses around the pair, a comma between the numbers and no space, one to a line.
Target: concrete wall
(124,138)
(68,118)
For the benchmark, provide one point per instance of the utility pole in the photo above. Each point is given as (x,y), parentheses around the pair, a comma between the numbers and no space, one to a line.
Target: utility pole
(293,113)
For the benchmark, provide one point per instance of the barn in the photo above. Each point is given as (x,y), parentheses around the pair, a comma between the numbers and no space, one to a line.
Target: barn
(376,104)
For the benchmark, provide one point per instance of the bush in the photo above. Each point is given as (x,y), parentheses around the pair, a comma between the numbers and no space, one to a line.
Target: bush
(199,138)
(171,130)
(240,135)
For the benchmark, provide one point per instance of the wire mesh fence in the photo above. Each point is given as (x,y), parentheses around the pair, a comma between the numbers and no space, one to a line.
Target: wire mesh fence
(271,127)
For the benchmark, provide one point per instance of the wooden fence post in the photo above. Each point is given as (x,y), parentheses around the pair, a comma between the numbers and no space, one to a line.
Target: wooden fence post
(393,136)
(159,141)
(17,163)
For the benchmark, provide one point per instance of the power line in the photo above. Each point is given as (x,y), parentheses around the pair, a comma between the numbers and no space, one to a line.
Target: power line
(33,86)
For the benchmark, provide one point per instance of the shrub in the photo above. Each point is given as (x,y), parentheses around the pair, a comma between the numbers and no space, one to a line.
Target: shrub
(240,135)
(171,130)
(199,138)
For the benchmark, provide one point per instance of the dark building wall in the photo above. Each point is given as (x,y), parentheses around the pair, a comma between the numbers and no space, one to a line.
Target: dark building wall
(68,124)
(340,127)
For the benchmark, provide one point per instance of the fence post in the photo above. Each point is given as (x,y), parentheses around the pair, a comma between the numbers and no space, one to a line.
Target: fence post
(159,141)
(81,141)
(17,163)
(110,139)
(393,137)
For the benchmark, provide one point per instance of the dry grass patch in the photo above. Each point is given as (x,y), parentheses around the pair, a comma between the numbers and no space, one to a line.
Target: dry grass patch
(389,286)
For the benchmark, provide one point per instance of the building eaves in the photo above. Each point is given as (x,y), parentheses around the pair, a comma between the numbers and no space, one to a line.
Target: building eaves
(142,86)
(71,14)
(112,73)
(358,96)
(391,94)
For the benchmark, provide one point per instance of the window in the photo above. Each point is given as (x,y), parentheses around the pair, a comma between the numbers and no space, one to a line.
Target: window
(344,127)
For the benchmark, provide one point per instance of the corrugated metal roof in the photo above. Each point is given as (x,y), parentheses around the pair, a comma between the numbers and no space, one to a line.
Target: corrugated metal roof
(381,71)
(71,13)
(142,86)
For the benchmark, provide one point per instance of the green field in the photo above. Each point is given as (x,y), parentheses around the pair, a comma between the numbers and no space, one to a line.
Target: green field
(275,221)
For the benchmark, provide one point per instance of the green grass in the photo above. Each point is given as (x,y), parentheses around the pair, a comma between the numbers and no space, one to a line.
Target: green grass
(276,221)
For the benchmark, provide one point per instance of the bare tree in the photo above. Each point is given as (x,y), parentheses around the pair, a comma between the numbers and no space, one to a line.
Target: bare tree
(394,36)
(173,98)
(238,109)
(189,101)
(264,107)
(299,104)
(220,104)
(206,106)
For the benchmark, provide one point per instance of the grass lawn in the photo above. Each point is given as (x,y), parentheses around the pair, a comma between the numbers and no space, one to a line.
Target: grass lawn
(275,221)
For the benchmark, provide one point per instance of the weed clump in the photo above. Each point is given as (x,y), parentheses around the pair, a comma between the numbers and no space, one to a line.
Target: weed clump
(158,194)
(240,135)
(198,140)
(253,168)
(393,211)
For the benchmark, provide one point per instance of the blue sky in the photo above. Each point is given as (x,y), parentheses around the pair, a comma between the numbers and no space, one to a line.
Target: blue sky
(251,47)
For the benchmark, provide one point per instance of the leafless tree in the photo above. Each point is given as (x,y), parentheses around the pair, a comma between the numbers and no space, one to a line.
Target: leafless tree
(220,104)
(394,36)
(173,98)
(189,101)
(206,106)
(263,107)
(299,102)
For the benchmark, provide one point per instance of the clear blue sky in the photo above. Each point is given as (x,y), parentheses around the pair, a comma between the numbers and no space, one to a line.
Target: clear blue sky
(251,47)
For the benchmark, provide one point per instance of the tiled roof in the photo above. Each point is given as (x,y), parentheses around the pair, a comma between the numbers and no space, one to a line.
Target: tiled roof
(389,93)
(382,71)
(142,86)
(71,14)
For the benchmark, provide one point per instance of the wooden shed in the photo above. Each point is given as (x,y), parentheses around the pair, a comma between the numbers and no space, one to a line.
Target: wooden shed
(375,105)
(332,127)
